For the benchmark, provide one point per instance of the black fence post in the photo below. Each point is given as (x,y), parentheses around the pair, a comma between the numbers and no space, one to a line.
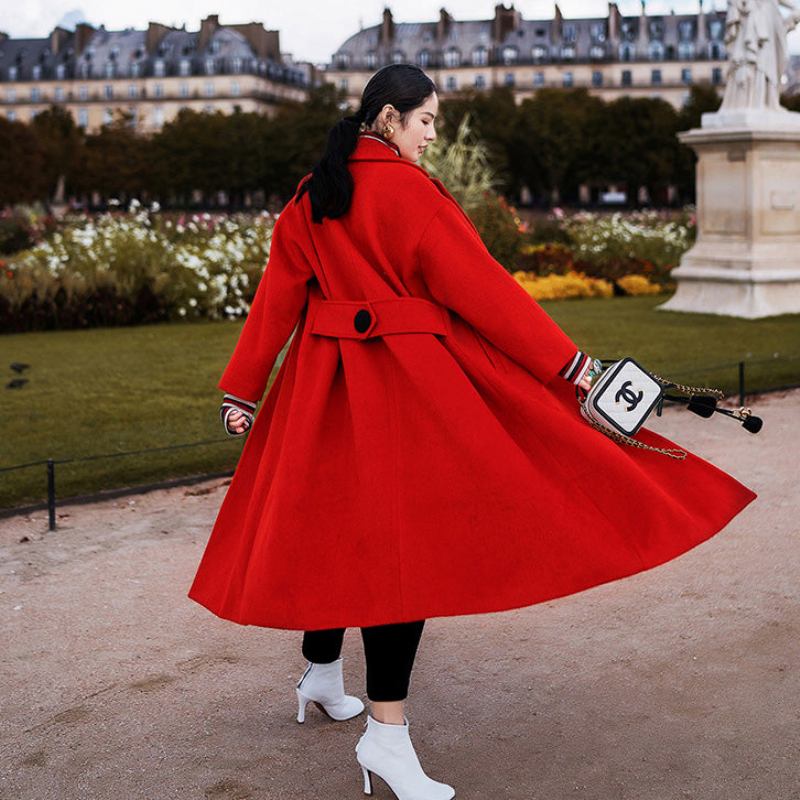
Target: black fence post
(51,492)
(741,383)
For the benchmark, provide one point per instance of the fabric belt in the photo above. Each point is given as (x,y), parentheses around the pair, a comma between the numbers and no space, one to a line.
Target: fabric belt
(365,319)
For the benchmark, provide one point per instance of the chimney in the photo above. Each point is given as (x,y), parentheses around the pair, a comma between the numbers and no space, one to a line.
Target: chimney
(505,21)
(701,27)
(443,25)
(387,27)
(265,44)
(556,28)
(58,38)
(207,28)
(83,33)
(155,33)
(614,25)
(643,32)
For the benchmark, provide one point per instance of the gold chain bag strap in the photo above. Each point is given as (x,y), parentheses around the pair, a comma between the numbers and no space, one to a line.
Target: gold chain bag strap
(621,398)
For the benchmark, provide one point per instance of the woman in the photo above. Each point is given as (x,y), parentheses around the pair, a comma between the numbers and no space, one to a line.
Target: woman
(421,451)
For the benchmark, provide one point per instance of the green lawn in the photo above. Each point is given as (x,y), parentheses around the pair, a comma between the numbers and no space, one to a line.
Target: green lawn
(111,390)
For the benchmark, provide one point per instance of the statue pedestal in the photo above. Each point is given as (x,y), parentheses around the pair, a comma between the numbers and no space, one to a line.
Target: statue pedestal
(746,259)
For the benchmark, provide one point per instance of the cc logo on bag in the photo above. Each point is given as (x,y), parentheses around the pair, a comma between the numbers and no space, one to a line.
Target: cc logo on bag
(629,395)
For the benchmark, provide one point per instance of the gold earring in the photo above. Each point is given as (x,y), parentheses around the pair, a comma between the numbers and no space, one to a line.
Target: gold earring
(388,131)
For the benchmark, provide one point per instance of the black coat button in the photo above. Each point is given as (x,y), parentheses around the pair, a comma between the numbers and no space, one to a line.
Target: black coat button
(362,320)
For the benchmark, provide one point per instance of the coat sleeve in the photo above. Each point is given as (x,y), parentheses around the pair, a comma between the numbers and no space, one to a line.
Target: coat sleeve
(279,299)
(462,275)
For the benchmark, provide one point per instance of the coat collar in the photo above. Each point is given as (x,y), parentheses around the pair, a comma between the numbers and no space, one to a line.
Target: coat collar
(371,147)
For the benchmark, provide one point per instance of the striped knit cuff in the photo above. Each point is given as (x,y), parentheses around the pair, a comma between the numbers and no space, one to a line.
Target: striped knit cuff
(576,367)
(231,403)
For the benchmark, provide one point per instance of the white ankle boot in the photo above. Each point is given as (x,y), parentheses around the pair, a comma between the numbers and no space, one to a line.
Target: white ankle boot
(323,685)
(386,749)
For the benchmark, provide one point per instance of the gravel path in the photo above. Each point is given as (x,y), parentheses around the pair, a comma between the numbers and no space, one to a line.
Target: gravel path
(679,682)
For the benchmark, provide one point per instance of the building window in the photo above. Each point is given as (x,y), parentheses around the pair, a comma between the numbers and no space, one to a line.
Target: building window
(59,94)
(597,77)
(715,29)
(237,64)
(627,51)
(568,53)
(342,60)
(11,114)
(135,69)
(108,115)
(12,73)
(209,88)
(509,54)
(158,90)
(37,72)
(480,82)
(597,31)
(109,69)
(686,50)
(423,58)
(184,89)
(567,79)
(209,109)
(714,51)
(626,77)
(185,67)
(452,57)
(61,71)
(398,57)
(656,27)
(597,51)
(685,30)
(83,92)
(11,94)
(108,90)
(452,84)
(343,84)
(372,59)
(509,79)
(716,75)
(158,116)
(35,94)
(568,32)
(538,53)
(235,89)
(538,78)
(480,57)
(655,76)
(686,75)
(158,68)
(133,90)
(209,66)
(656,51)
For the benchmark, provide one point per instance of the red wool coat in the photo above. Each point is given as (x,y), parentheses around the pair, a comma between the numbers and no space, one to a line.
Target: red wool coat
(418,454)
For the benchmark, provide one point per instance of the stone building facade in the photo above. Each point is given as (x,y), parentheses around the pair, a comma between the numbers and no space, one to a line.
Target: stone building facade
(642,56)
(151,74)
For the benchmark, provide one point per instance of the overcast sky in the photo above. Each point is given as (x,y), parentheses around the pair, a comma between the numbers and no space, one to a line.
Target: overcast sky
(311,30)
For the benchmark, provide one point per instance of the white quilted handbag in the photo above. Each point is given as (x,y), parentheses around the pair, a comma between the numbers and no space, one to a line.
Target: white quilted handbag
(620,400)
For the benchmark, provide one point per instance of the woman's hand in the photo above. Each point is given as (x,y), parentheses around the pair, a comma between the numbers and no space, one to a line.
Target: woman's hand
(236,414)
(237,423)
(585,382)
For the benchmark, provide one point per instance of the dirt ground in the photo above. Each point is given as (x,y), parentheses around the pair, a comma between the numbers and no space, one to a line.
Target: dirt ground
(677,683)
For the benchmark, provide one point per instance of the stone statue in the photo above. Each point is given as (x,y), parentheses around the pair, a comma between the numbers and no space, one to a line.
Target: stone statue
(755,38)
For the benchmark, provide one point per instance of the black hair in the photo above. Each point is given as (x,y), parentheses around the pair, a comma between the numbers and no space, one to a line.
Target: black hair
(330,184)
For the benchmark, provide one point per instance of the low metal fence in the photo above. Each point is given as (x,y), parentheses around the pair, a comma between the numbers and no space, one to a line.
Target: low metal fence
(50,463)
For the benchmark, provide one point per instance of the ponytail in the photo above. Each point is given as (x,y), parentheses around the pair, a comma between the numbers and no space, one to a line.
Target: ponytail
(330,185)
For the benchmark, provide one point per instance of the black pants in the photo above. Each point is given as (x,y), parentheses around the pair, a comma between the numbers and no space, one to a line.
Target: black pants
(389,651)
